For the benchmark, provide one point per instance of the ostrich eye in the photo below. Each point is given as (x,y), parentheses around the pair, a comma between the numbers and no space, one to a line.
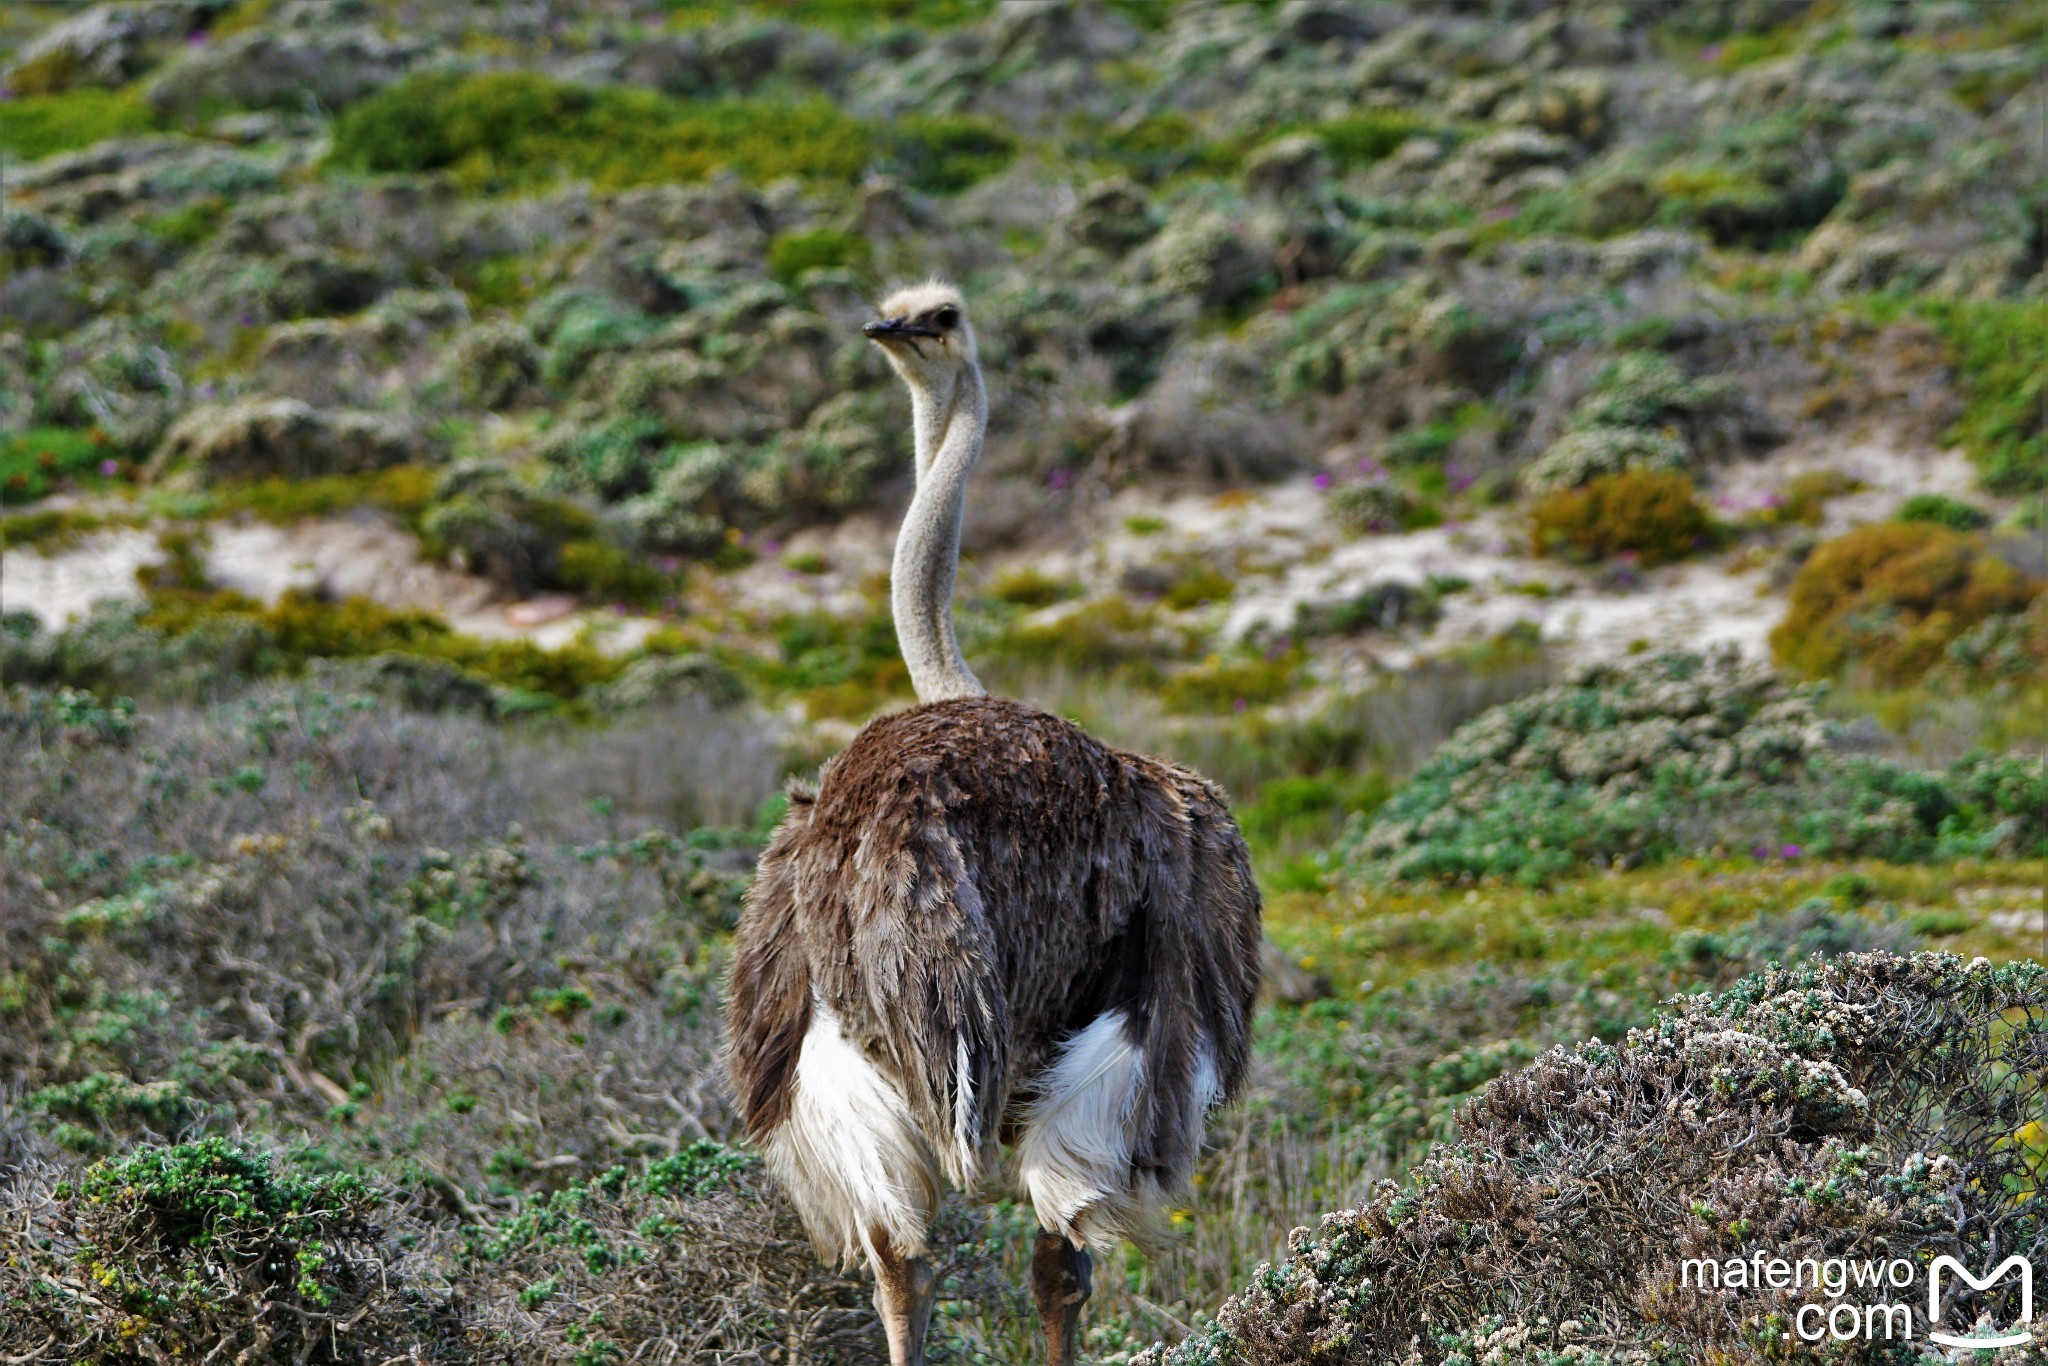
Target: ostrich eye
(948,317)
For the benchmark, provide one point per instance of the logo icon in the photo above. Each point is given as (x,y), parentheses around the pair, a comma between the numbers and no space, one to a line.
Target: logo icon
(2014,1339)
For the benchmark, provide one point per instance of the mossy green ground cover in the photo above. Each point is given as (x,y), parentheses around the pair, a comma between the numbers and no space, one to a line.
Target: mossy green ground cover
(516,130)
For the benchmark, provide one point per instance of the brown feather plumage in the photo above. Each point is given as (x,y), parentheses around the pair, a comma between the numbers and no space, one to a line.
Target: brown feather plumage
(978,872)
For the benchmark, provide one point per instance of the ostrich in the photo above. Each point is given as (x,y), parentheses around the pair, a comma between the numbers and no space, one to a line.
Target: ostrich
(985,927)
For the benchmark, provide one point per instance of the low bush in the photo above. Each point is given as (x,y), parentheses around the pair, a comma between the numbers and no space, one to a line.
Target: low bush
(692,1256)
(33,462)
(1885,602)
(1998,345)
(1031,587)
(837,666)
(1645,389)
(1679,754)
(208,1250)
(217,1247)
(1651,516)
(1941,510)
(1861,1107)
(1756,185)
(42,125)
(946,153)
(1363,138)
(300,627)
(1391,606)
(790,254)
(1234,684)
(1377,505)
(1309,809)
(1578,457)
(510,129)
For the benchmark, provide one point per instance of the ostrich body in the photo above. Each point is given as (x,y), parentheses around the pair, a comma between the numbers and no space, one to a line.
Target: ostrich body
(985,927)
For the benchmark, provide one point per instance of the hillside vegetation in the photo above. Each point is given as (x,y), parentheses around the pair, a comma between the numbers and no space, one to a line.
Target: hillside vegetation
(1574,472)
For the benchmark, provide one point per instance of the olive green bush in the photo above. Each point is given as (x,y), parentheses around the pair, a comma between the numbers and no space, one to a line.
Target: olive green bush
(1653,518)
(1675,755)
(1887,601)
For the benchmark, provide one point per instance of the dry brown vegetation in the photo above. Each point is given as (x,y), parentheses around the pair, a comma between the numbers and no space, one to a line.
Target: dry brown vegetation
(1874,1106)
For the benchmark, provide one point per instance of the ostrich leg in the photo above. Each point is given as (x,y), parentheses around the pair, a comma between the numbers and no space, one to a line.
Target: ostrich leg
(904,1288)
(1060,1282)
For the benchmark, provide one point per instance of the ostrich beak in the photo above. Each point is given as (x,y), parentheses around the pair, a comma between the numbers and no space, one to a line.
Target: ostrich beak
(895,329)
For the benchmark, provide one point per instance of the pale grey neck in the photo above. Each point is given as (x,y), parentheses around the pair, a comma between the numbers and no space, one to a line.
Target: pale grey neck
(949,430)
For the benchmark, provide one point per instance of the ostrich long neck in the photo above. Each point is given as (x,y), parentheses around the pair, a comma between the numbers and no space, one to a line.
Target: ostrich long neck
(949,431)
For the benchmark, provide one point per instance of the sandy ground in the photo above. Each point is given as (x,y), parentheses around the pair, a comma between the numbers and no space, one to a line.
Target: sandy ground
(1295,556)
(1278,542)
(363,554)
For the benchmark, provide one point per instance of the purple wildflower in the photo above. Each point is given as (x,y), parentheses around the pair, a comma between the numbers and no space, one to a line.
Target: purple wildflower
(1323,480)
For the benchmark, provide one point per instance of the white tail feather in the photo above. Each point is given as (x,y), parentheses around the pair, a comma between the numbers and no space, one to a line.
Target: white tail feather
(963,1169)
(848,1154)
(1075,1152)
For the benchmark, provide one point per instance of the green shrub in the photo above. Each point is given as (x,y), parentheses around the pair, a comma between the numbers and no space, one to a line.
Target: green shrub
(946,153)
(793,253)
(1110,634)
(1941,510)
(301,627)
(1032,587)
(1160,145)
(1363,138)
(1887,600)
(1678,755)
(1758,183)
(32,462)
(512,129)
(1197,583)
(854,18)
(1652,516)
(600,570)
(1580,456)
(209,1249)
(580,326)
(516,129)
(1378,505)
(189,224)
(1220,685)
(2001,354)
(403,490)
(1310,809)
(1645,389)
(43,125)
(1389,606)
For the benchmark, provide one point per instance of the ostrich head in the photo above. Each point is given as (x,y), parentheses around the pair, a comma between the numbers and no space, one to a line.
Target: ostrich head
(923,331)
